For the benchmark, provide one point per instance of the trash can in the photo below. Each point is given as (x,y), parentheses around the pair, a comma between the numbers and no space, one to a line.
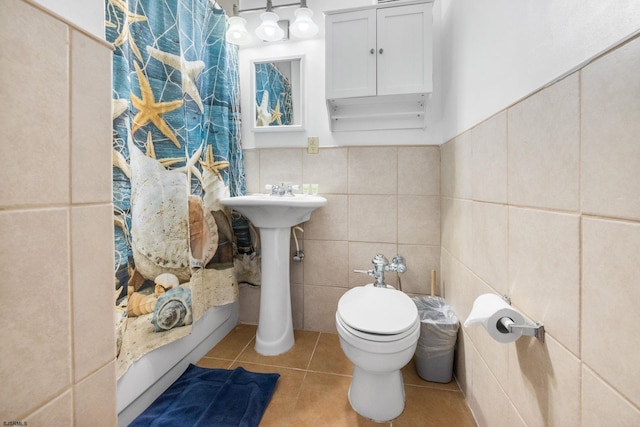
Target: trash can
(438,333)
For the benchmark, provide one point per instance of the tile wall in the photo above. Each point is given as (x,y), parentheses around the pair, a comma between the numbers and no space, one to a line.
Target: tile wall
(380,200)
(56,222)
(542,202)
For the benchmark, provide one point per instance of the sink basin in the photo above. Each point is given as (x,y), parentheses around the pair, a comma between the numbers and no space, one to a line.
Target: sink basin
(267,211)
(274,216)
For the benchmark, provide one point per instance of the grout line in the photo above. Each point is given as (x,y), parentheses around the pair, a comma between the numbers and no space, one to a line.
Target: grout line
(243,349)
(313,352)
(329,373)
(71,232)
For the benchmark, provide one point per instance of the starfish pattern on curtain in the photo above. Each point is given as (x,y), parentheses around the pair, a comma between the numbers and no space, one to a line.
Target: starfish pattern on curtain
(176,152)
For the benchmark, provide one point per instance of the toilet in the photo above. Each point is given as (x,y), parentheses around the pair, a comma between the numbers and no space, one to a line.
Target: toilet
(378,329)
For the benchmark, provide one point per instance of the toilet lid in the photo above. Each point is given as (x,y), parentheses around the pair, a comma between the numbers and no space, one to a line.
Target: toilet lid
(377,310)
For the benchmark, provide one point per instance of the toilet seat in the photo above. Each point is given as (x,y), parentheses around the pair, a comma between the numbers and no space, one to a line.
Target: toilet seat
(380,338)
(377,314)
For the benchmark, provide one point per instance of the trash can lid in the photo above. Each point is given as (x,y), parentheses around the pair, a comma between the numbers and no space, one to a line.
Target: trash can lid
(377,310)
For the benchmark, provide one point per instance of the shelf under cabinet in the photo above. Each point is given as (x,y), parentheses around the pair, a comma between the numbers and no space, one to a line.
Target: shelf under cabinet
(379,112)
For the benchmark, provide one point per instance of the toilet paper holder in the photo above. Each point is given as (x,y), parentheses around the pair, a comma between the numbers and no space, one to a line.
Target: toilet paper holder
(507,325)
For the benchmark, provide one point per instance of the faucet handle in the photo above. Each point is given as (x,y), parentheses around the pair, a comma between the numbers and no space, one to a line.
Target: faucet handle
(369,272)
(276,190)
(290,189)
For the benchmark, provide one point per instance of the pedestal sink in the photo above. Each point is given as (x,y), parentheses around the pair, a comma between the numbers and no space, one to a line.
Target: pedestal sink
(274,216)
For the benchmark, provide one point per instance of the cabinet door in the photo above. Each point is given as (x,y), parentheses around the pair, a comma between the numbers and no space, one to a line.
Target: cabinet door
(404,49)
(351,54)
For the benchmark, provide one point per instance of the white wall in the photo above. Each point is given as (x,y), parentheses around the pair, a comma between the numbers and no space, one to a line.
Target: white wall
(489,54)
(87,15)
(495,52)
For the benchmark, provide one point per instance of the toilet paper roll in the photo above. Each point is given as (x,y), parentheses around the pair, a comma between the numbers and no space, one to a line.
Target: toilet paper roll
(488,309)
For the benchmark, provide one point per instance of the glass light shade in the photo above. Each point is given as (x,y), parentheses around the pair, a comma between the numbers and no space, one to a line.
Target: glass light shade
(237,32)
(303,26)
(269,30)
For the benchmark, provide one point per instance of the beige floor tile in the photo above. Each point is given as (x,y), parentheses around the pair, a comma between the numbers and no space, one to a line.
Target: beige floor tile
(298,357)
(329,357)
(233,344)
(324,401)
(431,407)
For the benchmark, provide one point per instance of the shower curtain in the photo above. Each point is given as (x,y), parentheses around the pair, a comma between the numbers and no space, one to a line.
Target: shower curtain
(176,152)
(273,96)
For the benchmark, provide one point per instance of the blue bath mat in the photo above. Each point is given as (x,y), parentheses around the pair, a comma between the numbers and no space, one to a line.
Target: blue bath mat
(211,397)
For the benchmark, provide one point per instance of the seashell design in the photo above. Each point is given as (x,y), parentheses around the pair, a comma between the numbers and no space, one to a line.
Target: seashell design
(203,233)
(173,309)
(135,280)
(263,115)
(159,290)
(140,304)
(160,220)
(167,280)
(212,181)
(247,268)
(215,189)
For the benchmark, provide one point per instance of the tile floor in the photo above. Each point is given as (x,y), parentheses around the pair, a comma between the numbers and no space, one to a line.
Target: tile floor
(314,381)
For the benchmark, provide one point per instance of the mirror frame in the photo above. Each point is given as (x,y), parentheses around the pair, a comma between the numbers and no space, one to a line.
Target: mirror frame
(298,92)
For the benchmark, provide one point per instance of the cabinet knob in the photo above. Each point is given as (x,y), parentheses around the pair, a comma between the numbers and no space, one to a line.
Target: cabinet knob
(372,51)
(380,51)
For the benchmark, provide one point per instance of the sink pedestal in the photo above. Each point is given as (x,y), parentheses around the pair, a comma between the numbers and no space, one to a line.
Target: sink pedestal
(275,325)
(275,216)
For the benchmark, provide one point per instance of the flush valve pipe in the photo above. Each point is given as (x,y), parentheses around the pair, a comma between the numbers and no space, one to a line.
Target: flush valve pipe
(380,265)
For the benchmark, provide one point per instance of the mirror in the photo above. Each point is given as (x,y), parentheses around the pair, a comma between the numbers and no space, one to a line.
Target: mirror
(278,94)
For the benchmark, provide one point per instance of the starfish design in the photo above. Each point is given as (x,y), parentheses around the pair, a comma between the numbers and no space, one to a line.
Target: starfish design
(121,163)
(125,34)
(263,117)
(190,167)
(189,70)
(211,165)
(151,153)
(150,110)
(151,149)
(276,115)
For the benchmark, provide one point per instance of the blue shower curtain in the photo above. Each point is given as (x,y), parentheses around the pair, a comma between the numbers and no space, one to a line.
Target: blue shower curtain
(176,152)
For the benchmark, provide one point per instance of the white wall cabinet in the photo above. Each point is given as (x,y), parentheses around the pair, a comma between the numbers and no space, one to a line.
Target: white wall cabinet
(379,51)
(379,66)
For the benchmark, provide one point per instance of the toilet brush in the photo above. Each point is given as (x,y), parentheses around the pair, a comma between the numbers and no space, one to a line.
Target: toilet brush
(433,283)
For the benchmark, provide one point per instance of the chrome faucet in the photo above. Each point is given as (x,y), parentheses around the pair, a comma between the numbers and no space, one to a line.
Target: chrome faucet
(277,190)
(380,265)
(280,191)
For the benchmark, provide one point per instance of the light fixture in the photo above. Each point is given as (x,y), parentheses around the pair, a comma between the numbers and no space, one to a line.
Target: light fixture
(271,28)
(237,32)
(304,27)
